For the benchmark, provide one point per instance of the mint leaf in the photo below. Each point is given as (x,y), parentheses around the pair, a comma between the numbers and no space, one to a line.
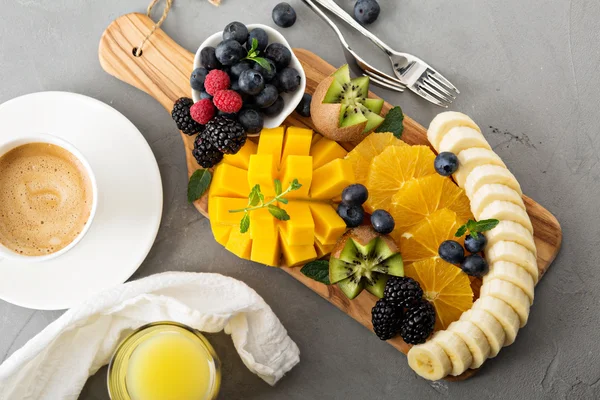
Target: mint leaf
(254,45)
(472,225)
(198,184)
(318,271)
(262,62)
(254,197)
(295,185)
(393,122)
(461,231)
(283,200)
(245,223)
(278,188)
(485,225)
(278,213)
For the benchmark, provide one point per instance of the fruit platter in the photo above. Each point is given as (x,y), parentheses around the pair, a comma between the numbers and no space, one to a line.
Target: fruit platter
(422,235)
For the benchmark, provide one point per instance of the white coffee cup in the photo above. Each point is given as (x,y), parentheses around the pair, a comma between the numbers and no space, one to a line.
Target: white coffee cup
(7,146)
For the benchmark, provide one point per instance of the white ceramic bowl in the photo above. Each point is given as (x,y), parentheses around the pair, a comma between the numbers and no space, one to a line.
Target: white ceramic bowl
(291,99)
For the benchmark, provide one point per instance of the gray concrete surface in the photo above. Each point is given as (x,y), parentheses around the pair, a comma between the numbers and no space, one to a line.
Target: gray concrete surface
(528,72)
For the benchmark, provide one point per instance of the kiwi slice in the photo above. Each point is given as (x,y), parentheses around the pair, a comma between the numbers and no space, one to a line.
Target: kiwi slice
(352,94)
(364,264)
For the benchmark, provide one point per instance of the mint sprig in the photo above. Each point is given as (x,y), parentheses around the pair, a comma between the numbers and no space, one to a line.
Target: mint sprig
(253,55)
(198,184)
(318,271)
(476,227)
(393,122)
(256,201)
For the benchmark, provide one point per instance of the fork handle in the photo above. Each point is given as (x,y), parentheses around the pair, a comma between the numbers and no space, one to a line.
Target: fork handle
(338,11)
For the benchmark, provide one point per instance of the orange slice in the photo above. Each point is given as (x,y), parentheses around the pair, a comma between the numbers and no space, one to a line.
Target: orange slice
(444,285)
(392,168)
(362,155)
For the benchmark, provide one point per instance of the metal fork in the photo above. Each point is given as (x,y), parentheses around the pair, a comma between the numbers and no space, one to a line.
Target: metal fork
(413,72)
(356,63)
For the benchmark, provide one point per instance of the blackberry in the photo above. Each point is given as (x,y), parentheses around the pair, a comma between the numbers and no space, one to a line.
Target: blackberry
(403,290)
(387,318)
(227,135)
(418,323)
(205,153)
(183,119)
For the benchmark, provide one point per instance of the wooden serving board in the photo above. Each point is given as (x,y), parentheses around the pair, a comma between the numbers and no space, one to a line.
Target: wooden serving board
(163,71)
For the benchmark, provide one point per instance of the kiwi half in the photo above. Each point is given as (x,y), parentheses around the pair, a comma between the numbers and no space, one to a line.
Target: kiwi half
(347,99)
(363,259)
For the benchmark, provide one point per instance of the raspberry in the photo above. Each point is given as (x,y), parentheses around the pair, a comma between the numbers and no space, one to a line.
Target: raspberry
(216,80)
(228,101)
(203,111)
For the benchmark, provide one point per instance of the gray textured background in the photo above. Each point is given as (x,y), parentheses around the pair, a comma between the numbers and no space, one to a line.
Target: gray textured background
(528,74)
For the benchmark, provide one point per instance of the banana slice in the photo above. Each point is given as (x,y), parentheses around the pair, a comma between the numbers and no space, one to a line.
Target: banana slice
(489,174)
(462,138)
(511,272)
(511,294)
(514,253)
(507,317)
(475,340)
(429,360)
(511,232)
(445,121)
(507,211)
(456,349)
(492,192)
(471,158)
(491,328)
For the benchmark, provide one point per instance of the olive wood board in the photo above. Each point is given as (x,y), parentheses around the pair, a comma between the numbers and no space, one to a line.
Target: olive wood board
(163,72)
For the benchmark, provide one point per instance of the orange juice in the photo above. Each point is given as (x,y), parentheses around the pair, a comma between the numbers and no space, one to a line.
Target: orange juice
(164,361)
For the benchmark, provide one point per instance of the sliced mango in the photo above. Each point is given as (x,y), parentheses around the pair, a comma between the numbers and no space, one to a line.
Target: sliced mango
(296,255)
(239,244)
(316,138)
(242,158)
(229,181)
(262,171)
(297,142)
(324,151)
(271,143)
(297,167)
(299,230)
(221,233)
(328,224)
(218,210)
(323,249)
(264,231)
(329,180)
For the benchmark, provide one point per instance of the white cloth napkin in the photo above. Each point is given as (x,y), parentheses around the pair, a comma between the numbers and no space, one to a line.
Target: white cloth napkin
(56,363)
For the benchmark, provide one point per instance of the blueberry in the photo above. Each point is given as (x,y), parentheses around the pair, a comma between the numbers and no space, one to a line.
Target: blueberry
(267,96)
(475,244)
(382,222)
(268,74)
(204,95)
(279,54)
(303,107)
(451,251)
(284,15)
(366,11)
(237,69)
(208,58)
(229,52)
(275,108)
(232,116)
(236,31)
(198,77)
(261,37)
(289,80)
(352,215)
(251,120)
(251,82)
(355,194)
(475,265)
(446,163)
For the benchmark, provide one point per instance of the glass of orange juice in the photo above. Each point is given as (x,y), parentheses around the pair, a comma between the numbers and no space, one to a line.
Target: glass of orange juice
(164,361)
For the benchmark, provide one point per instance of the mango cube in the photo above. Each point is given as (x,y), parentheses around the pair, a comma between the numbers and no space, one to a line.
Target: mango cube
(329,180)
(229,181)
(297,142)
(296,255)
(264,231)
(329,226)
(315,139)
(271,143)
(324,151)
(299,230)
(218,210)
(262,171)
(323,249)
(242,158)
(297,167)
(221,233)
(239,243)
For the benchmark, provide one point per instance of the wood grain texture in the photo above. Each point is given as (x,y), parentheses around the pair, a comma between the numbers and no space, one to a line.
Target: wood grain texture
(163,72)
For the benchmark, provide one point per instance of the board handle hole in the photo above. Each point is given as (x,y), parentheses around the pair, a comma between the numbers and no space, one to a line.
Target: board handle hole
(135,52)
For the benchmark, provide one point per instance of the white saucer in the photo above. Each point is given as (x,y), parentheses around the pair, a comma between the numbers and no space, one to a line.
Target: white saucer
(130,200)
